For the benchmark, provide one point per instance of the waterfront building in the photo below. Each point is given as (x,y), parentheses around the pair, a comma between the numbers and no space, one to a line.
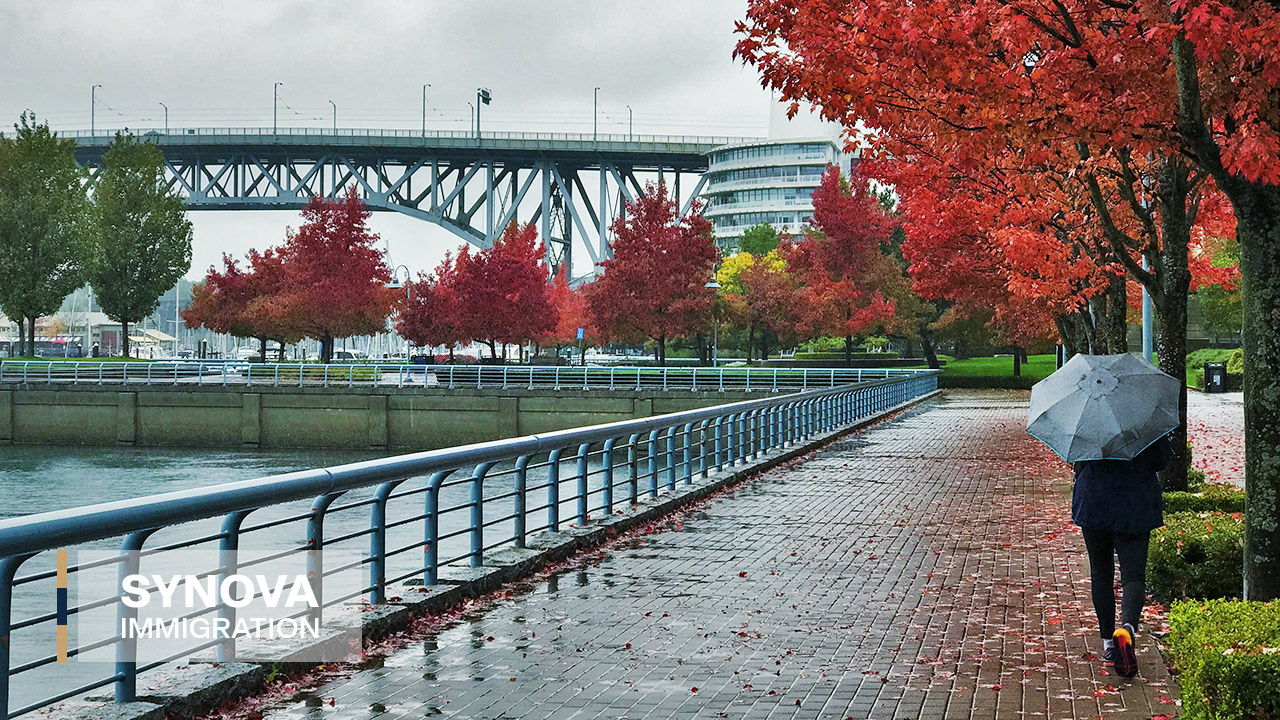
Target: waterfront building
(771,180)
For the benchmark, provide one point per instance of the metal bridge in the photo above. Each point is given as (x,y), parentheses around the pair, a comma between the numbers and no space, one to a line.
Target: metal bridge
(571,185)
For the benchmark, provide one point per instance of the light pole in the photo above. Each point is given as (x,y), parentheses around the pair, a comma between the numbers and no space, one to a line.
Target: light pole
(93,107)
(408,294)
(482,98)
(275,102)
(595,115)
(335,116)
(166,118)
(472,122)
(715,322)
(424,109)
(630,126)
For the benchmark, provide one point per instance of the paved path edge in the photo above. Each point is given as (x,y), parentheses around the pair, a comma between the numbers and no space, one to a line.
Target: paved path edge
(183,691)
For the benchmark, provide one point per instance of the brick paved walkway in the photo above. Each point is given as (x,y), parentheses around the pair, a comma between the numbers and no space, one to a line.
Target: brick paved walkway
(925,568)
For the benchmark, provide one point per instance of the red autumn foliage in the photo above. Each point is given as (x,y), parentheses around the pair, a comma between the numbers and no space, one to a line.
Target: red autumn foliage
(503,291)
(837,295)
(571,312)
(432,312)
(334,277)
(654,285)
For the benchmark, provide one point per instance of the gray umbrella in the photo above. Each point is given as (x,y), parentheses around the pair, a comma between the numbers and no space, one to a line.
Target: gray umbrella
(1103,407)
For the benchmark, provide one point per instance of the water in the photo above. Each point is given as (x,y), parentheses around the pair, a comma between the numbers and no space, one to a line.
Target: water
(38,478)
(35,479)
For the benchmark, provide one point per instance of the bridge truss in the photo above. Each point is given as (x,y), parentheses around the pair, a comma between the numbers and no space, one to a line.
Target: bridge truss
(571,186)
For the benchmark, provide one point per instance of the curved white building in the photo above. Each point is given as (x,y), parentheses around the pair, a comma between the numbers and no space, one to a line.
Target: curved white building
(771,180)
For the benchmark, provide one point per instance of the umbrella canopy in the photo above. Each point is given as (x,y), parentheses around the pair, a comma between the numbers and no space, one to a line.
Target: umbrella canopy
(1103,407)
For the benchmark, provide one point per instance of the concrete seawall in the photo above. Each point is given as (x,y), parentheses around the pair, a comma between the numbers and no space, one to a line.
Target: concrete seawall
(271,417)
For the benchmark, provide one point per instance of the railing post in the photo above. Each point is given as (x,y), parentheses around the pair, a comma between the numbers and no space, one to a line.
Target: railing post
(126,689)
(702,448)
(315,552)
(731,439)
(757,425)
(228,562)
(688,453)
(584,452)
(719,446)
(378,543)
(607,459)
(671,457)
(8,571)
(431,539)
(653,463)
(633,463)
(521,500)
(477,512)
(553,489)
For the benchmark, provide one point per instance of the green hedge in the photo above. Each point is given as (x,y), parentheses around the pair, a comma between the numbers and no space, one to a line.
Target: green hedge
(840,356)
(1214,496)
(1228,657)
(1197,555)
(999,382)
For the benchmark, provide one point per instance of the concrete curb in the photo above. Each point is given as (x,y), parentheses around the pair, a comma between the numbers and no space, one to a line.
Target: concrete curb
(181,692)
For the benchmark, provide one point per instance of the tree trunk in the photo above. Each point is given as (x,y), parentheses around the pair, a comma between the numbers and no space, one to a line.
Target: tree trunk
(1257,210)
(326,348)
(661,350)
(124,343)
(1118,315)
(1017,361)
(262,347)
(926,344)
(848,351)
(22,338)
(751,342)
(1175,286)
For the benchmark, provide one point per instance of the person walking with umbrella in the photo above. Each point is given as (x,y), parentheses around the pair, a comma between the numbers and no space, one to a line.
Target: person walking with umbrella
(1110,415)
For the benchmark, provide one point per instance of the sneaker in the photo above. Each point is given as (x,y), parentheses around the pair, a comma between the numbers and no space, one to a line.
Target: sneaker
(1109,651)
(1126,658)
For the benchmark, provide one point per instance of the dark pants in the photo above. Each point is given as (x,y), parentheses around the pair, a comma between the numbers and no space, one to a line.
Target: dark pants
(1104,548)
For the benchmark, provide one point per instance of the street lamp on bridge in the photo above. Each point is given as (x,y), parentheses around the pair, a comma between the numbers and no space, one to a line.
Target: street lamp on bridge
(595,116)
(166,118)
(629,122)
(93,106)
(335,116)
(275,102)
(482,97)
(424,109)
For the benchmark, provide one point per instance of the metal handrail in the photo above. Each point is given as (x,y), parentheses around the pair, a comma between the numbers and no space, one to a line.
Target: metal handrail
(316,133)
(652,455)
(481,377)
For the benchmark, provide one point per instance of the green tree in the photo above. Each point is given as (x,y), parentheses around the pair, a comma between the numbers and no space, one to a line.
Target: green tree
(1219,302)
(143,240)
(759,240)
(44,222)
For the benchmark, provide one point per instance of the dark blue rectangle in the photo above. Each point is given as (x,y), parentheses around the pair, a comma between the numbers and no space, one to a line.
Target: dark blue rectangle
(62,606)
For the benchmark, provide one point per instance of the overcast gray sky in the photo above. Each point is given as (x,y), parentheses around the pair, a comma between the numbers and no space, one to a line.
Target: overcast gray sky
(213,63)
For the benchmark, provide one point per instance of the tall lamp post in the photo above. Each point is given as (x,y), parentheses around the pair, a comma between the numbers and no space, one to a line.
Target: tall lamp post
(166,118)
(482,98)
(424,109)
(93,107)
(335,116)
(408,294)
(275,102)
(595,115)
(714,286)
(630,124)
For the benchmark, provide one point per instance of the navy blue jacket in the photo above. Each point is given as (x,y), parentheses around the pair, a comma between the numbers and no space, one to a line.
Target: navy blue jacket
(1122,496)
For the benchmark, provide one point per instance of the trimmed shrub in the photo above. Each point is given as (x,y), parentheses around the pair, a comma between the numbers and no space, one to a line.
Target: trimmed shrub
(839,355)
(1214,496)
(1197,555)
(1000,382)
(1228,656)
(1195,478)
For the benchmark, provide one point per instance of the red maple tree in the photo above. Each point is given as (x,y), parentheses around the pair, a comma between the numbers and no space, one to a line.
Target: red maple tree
(1153,100)
(654,286)
(571,314)
(237,302)
(335,279)
(837,296)
(432,314)
(503,291)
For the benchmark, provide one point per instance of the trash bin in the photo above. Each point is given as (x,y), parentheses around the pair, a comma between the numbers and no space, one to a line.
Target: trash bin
(1215,377)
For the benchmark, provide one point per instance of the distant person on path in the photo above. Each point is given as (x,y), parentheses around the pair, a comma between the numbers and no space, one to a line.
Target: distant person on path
(1117,503)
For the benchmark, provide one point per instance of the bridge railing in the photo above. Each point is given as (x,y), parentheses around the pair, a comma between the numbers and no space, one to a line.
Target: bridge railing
(317,134)
(457,377)
(397,521)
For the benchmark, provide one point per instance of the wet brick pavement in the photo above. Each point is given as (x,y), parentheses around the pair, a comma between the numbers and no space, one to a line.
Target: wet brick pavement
(923,568)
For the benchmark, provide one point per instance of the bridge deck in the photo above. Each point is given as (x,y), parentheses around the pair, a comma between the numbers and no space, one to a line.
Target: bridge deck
(925,568)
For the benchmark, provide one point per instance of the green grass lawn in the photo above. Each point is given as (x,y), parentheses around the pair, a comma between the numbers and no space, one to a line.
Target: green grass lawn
(1037,367)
